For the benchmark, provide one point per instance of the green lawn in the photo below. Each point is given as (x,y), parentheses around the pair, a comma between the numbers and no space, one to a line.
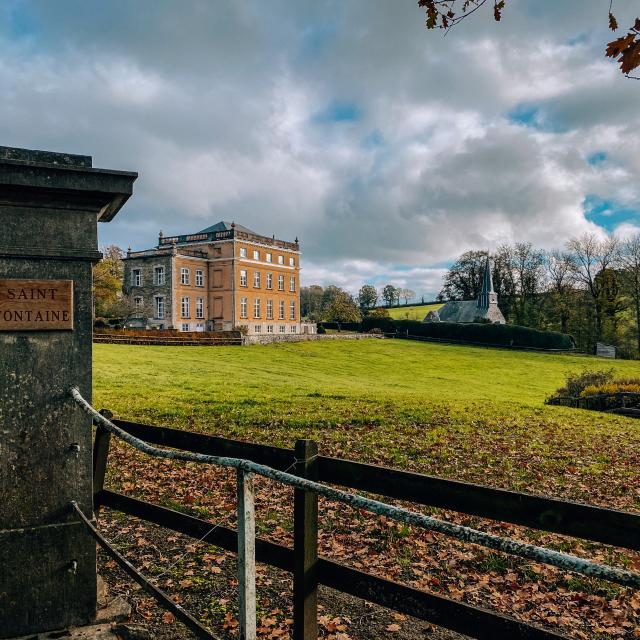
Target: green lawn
(416,312)
(463,412)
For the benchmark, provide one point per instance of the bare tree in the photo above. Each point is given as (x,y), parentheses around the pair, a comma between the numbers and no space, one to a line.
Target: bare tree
(559,271)
(630,263)
(591,258)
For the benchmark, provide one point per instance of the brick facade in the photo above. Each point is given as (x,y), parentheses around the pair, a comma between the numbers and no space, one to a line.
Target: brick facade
(223,277)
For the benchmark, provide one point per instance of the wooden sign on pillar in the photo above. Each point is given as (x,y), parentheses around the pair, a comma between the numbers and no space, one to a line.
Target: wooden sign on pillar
(49,207)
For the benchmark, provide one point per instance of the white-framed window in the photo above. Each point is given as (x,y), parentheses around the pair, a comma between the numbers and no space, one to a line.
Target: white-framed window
(269,328)
(184,275)
(280,282)
(136,277)
(269,280)
(159,307)
(292,283)
(292,310)
(256,279)
(199,327)
(243,252)
(256,254)
(243,277)
(257,328)
(281,310)
(280,259)
(200,308)
(268,257)
(243,307)
(138,301)
(185,311)
(292,262)
(256,307)
(294,328)
(199,278)
(185,326)
(282,328)
(158,276)
(269,309)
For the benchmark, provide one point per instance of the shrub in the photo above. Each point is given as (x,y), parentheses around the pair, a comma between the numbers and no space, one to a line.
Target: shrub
(376,331)
(617,386)
(242,328)
(577,383)
(321,330)
(505,335)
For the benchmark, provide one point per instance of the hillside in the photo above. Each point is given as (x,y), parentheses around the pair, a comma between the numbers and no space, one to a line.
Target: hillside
(414,312)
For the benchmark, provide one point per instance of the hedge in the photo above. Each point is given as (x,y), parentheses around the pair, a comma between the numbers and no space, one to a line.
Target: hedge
(507,335)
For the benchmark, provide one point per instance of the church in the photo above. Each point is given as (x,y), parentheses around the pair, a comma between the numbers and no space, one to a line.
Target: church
(484,309)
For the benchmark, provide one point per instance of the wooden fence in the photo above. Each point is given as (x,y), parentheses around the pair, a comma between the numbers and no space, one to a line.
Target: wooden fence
(598,524)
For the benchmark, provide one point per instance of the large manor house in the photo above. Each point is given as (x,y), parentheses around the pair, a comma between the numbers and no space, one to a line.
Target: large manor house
(222,277)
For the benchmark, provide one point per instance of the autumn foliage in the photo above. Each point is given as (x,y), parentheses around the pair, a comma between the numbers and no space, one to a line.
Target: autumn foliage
(444,14)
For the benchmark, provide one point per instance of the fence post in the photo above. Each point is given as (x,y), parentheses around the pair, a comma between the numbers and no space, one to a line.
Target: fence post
(305,546)
(246,556)
(100,454)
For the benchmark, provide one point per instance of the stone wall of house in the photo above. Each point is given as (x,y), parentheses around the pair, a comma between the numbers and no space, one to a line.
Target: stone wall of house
(306,337)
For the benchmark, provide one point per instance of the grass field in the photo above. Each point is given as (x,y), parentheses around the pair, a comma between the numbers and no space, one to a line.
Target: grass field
(467,413)
(451,410)
(416,312)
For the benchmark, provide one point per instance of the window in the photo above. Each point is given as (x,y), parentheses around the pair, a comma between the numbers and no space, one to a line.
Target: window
(243,307)
(138,302)
(185,326)
(159,307)
(281,310)
(185,308)
(280,259)
(243,252)
(199,278)
(292,283)
(269,257)
(257,328)
(269,328)
(256,308)
(158,276)
(256,254)
(280,282)
(269,280)
(269,309)
(294,329)
(243,277)
(282,328)
(200,308)
(292,262)
(256,279)
(184,275)
(292,310)
(136,277)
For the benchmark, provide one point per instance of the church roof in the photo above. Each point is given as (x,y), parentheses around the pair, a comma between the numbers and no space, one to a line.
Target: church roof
(459,311)
(227,226)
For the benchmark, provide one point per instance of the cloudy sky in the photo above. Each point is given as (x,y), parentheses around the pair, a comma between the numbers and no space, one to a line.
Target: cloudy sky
(387,149)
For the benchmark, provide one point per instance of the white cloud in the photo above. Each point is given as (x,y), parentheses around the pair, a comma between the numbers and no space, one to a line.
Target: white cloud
(217,105)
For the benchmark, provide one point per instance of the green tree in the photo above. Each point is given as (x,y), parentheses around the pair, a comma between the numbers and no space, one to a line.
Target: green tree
(630,272)
(389,294)
(107,281)
(311,302)
(367,297)
(342,308)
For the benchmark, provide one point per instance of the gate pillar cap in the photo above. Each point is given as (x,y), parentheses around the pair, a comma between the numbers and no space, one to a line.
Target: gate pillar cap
(64,173)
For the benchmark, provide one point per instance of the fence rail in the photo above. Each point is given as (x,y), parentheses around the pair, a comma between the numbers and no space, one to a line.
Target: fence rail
(565,517)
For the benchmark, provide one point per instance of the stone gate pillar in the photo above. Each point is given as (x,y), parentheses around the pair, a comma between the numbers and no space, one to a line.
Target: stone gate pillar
(50,204)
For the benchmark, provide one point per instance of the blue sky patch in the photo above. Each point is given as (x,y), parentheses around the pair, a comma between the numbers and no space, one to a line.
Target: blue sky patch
(339,112)
(607,213)
(535,117)
(597,158)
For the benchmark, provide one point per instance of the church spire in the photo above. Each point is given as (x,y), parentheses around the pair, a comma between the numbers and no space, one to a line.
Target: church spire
(487,294)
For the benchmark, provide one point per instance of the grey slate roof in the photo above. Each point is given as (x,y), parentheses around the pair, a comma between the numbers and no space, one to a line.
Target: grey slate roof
(226,226)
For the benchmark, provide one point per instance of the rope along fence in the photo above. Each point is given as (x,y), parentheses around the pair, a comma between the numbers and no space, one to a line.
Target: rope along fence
(246,534)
